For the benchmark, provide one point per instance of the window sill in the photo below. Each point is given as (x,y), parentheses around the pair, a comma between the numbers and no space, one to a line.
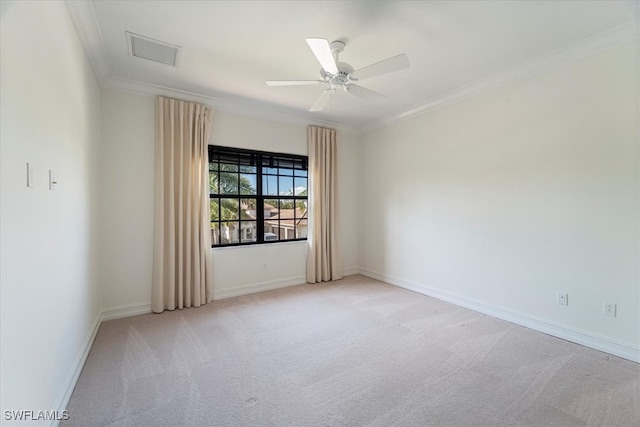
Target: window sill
(278,244)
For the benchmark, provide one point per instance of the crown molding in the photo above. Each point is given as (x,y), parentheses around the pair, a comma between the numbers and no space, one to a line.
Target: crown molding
(84,19)
(248,108)
(591,46)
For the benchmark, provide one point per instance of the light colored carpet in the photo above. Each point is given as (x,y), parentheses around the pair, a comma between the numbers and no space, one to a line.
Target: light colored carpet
(351,353)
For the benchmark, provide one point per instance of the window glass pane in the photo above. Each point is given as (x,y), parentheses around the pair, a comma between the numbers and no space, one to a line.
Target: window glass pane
(272,171)
(288,172)
(215,213)
(230,209)
(228,183)
(247,183)
(286,185)
(229,232)
(269,185)
(301,219)
(301,208)
(286,205)
(215,233)
(300,185)
(228,167)
(270,208)
(248,169)
(214,178)
(301,229)
(213,166)
(271,230)
(300,172)
(248,208)
(288,219)
(248,231)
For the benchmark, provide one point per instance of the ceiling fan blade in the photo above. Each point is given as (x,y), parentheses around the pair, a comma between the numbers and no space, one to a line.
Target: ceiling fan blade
(322,101)
(395,63)
(322,50)
(366,94)
(293,82)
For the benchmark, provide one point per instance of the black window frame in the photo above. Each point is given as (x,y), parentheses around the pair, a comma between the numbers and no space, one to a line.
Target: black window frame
(259,160)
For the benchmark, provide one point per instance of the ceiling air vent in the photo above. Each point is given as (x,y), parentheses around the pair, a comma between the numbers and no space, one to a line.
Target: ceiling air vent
(153,50)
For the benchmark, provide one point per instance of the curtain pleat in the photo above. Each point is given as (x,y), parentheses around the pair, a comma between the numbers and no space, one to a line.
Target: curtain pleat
(182,239)
(323,254)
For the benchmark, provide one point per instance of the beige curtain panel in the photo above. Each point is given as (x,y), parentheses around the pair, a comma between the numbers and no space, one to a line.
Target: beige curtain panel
(323,255)
(182,241)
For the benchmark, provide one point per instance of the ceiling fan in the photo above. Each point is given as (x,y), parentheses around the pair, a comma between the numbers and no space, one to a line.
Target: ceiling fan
(340,75)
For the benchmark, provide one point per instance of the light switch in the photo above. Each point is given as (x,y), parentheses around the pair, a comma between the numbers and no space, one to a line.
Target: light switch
(53,181)
(30,175)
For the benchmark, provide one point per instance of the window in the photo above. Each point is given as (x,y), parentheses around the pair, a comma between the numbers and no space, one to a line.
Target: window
(256,196)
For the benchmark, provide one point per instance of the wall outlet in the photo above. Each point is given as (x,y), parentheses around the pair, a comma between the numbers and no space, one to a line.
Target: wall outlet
(53,181)
(609,309)
(264,265)
(563,298)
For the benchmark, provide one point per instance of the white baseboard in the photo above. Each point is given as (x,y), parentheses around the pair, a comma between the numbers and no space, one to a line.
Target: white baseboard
(588,339)
(144,308)
(125,311)
(76,369)
(74,374)
(258,287)
(350,271)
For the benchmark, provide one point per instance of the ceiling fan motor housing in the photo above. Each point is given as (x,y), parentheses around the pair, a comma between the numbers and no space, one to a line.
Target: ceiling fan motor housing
(340,79)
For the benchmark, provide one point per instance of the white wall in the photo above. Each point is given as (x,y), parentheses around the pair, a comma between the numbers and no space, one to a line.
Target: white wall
(49,246)
(500,201)
(127,156)
(127,188)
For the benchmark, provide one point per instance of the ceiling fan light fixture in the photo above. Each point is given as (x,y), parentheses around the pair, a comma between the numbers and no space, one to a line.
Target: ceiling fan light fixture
(340,75)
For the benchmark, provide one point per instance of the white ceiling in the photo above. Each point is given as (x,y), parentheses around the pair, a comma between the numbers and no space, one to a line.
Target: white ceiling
(229,48)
